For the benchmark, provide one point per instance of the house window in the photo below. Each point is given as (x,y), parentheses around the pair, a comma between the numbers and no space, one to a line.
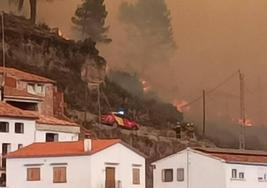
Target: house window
(51,137)
(167,175)
(20,146)
(4,127)
(262,174)
(19,127)
(31,88)
(241,175)
(35,88)
(234,173)
(59,174)
(33,174)
(180,174)
(136,176)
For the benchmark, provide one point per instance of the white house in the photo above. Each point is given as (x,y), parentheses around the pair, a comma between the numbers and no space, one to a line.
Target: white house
(19,128)
(211,168)
(81,164)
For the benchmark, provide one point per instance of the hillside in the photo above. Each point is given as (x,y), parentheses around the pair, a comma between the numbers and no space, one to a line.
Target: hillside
(39,50)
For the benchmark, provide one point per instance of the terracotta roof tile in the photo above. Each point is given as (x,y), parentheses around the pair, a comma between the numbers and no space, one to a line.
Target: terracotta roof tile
(236,156)
(7,110)
(10,92)
(21,75)
(55,149)
(54,121)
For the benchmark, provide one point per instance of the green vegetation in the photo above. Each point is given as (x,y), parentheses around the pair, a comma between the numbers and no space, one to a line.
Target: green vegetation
(90,19)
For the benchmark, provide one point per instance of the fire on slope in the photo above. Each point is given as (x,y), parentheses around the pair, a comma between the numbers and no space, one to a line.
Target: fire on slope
(181,105)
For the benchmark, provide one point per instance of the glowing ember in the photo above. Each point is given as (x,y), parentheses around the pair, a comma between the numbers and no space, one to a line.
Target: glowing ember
(181,105)
(146,85)
(248,122)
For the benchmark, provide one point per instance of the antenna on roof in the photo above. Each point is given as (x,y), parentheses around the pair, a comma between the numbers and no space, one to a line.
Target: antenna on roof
(3,48)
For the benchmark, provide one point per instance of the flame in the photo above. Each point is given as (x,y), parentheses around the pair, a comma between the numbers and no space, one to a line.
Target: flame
(248,122)
(181,105)
(146,85)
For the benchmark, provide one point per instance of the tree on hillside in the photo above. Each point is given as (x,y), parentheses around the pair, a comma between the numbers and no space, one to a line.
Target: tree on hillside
(33,7)
(151,18)
(149,27)
(90,19)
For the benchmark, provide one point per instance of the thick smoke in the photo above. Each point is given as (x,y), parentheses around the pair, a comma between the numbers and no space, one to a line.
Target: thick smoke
(215,39)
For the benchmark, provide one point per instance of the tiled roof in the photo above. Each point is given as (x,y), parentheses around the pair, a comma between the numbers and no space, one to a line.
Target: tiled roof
(54,121)
(56,149)
(21,75)
(10,92)
(236,156)
(50,120)
(7,110)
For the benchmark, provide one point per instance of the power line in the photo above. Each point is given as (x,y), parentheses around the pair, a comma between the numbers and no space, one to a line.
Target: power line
(212,90)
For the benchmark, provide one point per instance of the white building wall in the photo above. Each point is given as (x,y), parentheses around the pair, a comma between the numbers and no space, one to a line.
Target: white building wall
(123,159)
(250,180)
(199,171)
(205,172)
(13,138)
(62,136)
(174,161)
(78,172)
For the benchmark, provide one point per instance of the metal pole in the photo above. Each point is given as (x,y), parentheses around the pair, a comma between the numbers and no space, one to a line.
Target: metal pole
(242,112)
(204,114)
(99,103)
(3,48)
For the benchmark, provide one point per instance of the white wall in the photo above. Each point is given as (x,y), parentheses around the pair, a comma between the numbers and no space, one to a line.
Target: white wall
(82,171)
(199,171)
(206,172)
(62,136)
(251,173)
(125,158)
(13,138)
(78,172)
(171,162)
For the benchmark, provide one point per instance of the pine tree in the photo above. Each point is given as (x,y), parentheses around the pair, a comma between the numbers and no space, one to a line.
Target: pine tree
(90,19)
(33,7)
(151,18)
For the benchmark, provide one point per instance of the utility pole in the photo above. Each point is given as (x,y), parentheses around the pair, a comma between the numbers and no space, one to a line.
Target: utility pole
(99,103)
(96,86)
(204,114)
(3,48)
(242,111)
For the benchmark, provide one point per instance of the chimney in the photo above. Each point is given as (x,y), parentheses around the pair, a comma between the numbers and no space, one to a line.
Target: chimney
(87,145)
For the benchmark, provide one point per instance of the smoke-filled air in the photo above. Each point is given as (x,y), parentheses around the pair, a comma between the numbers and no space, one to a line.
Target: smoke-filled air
(178,48)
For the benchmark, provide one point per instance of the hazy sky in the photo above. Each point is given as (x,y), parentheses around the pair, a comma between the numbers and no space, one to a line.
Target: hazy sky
(215,38)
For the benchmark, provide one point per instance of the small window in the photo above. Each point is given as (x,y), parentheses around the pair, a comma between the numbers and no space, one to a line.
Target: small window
(4,127)
(59,174)
(33,174)
(241,175)
(167,175)
(31,88)
(234,173)
(136,176)
(180,174)
(19,127)
(51,137)
(20,146)
(39,88)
